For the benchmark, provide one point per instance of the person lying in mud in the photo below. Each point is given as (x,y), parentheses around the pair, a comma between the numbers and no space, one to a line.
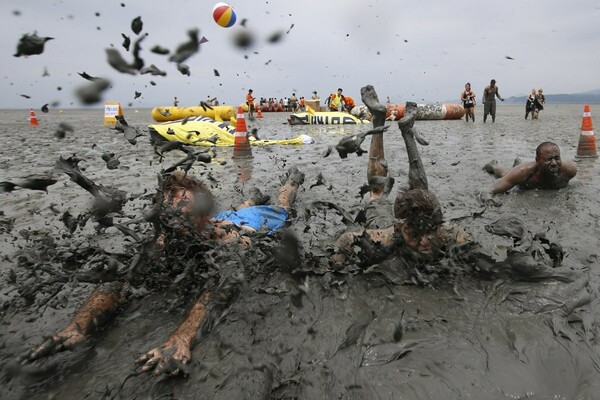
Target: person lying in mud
(421,231)
(547,172)
(189,202)
(420,234)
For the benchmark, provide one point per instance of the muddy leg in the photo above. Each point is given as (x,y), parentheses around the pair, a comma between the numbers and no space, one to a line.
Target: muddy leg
(286,195)
(498,171)
(377,165)
(417,179)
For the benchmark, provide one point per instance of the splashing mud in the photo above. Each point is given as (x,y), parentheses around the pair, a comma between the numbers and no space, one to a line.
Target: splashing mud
(288,323)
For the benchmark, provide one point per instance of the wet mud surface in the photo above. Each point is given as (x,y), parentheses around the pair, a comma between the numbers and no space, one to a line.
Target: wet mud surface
(295,326)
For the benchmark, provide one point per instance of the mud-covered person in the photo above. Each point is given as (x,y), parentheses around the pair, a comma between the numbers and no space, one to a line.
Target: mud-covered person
(547,172)
(186,204)
(420,233)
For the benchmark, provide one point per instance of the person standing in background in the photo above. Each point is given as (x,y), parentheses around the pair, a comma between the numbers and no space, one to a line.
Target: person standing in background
(175,101)
(468,99)
(336,101)
(540,96)
(302,106)
(530,104)
(489,100)
(348,104)
(540,101)
(293,102)
(250,102)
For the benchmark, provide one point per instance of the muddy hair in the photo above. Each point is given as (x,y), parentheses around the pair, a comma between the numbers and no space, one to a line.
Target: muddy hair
(420,209)
(170,184)
(178,180)
(543,145)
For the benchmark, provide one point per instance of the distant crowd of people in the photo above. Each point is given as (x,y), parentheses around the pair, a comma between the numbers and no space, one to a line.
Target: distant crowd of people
(334,102)
(337,101)
(535,102)
(210,101)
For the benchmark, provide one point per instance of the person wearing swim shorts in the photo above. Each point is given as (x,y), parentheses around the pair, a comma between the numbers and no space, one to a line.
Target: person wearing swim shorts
(468,99)
(187,203)
(293,103)
(547,172)
(489,100)
(253,215)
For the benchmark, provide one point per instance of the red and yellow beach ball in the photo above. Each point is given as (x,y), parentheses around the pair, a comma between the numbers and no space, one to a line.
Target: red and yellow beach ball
(224,15)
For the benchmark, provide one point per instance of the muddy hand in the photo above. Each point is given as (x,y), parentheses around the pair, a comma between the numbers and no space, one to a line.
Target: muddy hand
(166,359)
(52,345)
(486,199)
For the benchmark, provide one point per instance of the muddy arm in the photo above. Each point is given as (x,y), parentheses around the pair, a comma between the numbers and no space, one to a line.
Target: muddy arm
(377,165)
(417,179)
(95,311)
(172,356)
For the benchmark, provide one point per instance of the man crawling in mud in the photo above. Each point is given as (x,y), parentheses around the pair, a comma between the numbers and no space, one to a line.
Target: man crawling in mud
(547,172)
(186,203)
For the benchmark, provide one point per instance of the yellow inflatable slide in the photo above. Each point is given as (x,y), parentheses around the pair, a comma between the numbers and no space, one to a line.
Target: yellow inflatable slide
(313,117)
(204,131)
(218,113)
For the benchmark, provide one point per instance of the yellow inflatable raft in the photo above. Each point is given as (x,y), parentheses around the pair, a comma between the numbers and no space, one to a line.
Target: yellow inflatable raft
(313,117)
(204,131)
(217,113)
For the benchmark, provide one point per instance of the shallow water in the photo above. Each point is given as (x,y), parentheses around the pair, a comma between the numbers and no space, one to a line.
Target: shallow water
(477,339)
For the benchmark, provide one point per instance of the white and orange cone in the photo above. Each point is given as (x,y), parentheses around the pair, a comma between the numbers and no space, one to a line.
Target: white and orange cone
(587,141)
(32,118)
(241,146)
(259,112)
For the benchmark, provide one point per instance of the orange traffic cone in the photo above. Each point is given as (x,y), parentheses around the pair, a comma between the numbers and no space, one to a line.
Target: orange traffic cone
(241,146)
(587,141)
(32,118)
(259,113)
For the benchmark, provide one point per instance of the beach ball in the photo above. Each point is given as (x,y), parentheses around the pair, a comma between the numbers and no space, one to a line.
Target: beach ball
(224,15)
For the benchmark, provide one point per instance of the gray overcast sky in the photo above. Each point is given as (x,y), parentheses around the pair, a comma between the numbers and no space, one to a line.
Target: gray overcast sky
(409,50)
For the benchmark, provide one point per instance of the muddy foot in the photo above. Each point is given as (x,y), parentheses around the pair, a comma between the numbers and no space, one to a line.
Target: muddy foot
(257,196)
(295,176)
(410,114)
